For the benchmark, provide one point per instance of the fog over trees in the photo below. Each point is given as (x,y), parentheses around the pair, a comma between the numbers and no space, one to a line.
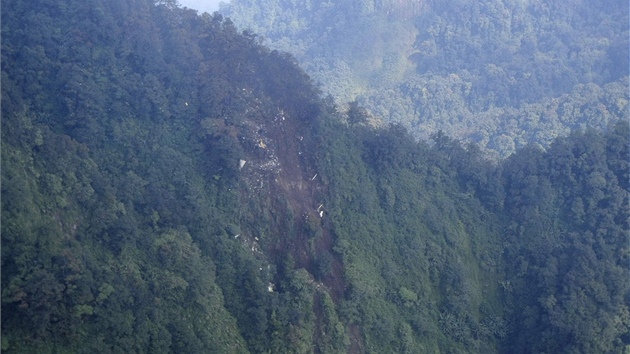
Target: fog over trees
(209,6)
(171,184)
(500,73)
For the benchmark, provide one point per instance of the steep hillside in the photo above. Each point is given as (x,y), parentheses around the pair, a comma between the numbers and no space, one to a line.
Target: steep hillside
(500,73)
(128,222)
(171,185)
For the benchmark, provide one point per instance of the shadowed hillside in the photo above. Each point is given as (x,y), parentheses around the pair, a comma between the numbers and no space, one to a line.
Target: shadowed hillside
(170,185)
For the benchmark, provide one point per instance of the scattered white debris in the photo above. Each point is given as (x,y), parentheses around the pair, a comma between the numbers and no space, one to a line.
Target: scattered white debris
(236,236)
(314,177)
(321,214)
(241,163)
(270,287)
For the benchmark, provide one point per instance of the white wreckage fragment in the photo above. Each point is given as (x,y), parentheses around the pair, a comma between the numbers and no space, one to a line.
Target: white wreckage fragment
(320,210)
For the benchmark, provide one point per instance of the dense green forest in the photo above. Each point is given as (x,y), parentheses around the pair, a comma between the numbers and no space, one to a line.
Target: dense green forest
(500,73)
(171,185)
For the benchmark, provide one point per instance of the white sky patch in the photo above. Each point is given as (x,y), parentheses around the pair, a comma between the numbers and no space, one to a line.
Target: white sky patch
(202,5)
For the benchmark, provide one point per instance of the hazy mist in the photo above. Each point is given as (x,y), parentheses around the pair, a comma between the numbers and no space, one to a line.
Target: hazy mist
(202,5)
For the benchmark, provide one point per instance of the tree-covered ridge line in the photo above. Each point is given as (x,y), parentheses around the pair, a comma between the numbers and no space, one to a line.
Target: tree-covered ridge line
(129,148)
(464,68)
(171,185)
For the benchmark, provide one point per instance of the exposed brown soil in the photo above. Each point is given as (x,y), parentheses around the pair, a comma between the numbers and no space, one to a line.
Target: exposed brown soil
(297,183)
(283,167)
(356,341)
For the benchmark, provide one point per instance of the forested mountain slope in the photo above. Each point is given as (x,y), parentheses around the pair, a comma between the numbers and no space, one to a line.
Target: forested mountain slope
(171,185)
(500,73)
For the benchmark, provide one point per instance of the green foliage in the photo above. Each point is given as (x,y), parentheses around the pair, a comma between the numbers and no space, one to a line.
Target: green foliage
(500,73)
(399,264)
(568,243)
(130,223)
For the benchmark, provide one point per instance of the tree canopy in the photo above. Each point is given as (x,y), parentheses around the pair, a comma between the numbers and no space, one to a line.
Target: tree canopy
(499,73)
(171,185)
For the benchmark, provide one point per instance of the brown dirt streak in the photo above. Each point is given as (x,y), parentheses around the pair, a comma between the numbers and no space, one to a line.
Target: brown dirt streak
(356,341)
(303,193)
(295,181)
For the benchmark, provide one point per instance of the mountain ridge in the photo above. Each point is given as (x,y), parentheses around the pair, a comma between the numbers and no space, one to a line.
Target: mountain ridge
(171,185)
(463,68)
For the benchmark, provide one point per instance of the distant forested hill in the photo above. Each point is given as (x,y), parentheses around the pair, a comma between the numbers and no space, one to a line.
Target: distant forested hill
(170,185)
(500,73)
